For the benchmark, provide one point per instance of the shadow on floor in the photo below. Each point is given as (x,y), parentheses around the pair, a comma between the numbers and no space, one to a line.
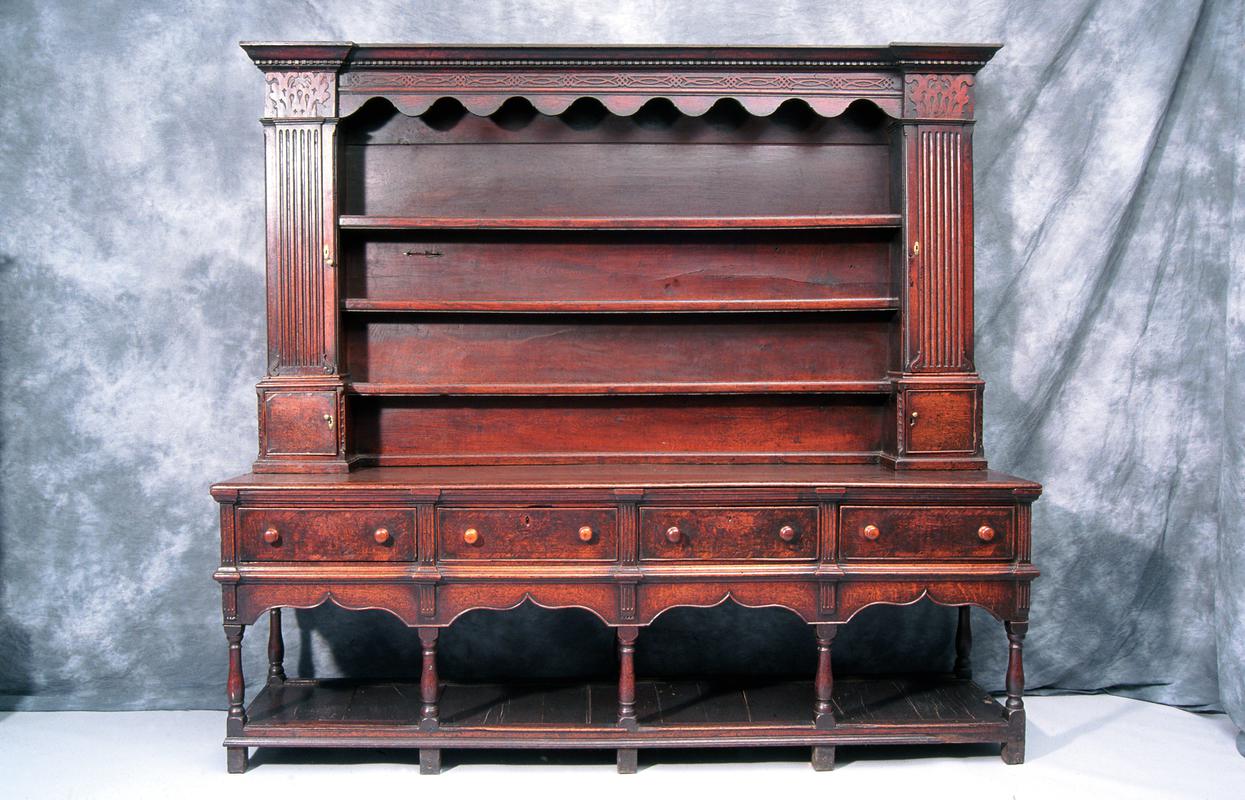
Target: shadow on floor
(1038,743)
(605,758)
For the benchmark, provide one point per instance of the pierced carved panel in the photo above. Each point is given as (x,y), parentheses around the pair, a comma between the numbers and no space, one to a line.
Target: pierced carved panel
(938,96)
(300,94)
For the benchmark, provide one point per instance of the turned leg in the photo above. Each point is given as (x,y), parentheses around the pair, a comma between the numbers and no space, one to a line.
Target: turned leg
(276,648)
(823,685)
(823,691)
(1014,748)
(964,645)
(628,758)
(429,690)
(235,687)
(626,676)
(429,685)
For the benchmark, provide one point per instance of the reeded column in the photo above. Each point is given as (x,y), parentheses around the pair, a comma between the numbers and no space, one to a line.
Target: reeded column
(938,394)
(301,401)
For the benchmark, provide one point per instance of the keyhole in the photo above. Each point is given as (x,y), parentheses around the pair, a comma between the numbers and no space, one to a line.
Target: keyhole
(525,521)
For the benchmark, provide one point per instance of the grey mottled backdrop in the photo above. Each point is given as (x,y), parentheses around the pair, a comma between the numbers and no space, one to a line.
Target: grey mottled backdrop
(1109,305)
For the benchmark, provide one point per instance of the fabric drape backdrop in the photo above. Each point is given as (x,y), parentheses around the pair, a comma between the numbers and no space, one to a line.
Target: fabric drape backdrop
(1110,290)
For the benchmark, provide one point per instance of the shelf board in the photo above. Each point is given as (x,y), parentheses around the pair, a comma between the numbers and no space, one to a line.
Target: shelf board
(366,388)
(368,222)
(886,710)
(621,306)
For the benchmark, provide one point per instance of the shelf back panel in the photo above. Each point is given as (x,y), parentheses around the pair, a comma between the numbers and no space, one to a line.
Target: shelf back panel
(569,350)
(568,430)
(479,267)
(604,180)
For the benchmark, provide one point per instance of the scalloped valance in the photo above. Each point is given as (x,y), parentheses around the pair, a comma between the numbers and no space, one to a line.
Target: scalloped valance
(482,92)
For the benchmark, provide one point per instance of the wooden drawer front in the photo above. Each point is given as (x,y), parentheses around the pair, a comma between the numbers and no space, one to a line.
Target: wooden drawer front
(528,534)
(321,535)
(955,533)
(728,533)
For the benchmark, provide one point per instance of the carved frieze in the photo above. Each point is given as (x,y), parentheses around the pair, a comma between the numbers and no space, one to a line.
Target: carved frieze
(300,95)
(598,81)
(936,96)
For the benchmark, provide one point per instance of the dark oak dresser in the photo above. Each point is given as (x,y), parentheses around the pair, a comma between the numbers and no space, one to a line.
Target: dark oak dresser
(621,329)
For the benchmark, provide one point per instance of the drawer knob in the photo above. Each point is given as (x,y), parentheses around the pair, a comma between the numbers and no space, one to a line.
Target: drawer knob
(674,535)
(985,533)
(585,534)
(787,533)
(871,532)
(381,536)
(471,536)
(272,536)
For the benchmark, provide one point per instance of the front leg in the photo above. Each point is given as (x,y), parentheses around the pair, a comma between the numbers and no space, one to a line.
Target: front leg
(823,691)
(429,694)
(235,687)
(628,757)
(1013,751)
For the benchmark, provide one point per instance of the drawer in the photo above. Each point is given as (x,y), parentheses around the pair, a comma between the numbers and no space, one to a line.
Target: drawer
(927,533)
(362,534)
(679,534)
(527,534)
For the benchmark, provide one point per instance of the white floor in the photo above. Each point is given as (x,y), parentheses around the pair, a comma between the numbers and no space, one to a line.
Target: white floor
(1096,746)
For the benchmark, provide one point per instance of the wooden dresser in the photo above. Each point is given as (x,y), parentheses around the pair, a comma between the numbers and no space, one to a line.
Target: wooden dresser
(621,329)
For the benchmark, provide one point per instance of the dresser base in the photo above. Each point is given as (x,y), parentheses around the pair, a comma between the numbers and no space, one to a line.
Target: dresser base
(874,710)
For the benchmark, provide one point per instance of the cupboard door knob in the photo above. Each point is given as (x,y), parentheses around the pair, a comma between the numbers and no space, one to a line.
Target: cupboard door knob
(985,533)
(272,536)
(585,534)
(674,535)
(381,536)
(471,536)
(871,532)
(787,533)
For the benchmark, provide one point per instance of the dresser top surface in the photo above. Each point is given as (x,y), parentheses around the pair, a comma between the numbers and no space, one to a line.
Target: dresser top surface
(629,475)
